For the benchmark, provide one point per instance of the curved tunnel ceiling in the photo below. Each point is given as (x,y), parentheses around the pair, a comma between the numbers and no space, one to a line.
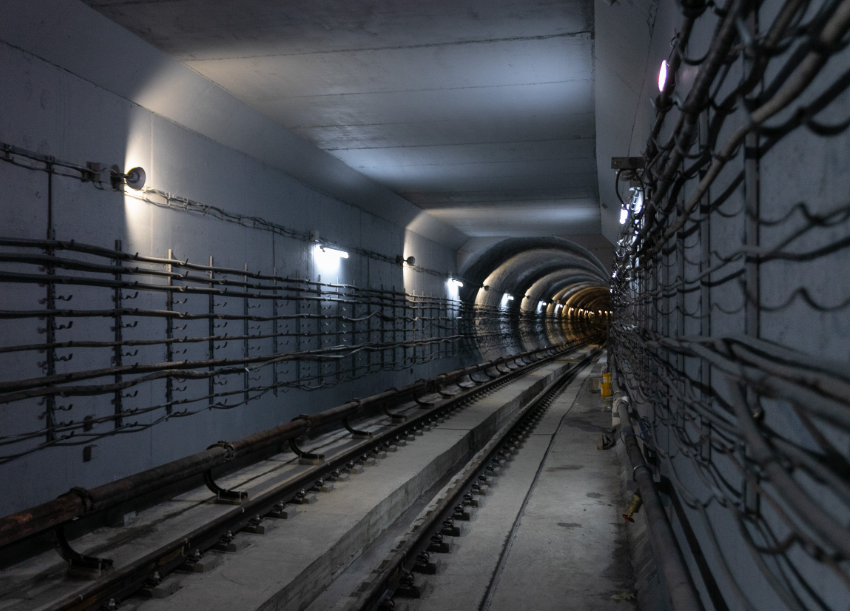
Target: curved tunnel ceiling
(477,269)
(481,113)
(516,265)
(544,269)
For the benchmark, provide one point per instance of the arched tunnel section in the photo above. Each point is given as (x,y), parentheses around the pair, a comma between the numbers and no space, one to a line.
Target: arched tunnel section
(525,293)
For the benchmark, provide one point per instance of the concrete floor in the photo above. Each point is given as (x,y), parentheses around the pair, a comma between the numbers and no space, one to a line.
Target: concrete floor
(570,550)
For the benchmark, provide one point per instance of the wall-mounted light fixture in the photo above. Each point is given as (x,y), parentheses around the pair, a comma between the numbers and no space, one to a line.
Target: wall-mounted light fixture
(509,297)
(104,174)
(135,178)
(456,283)
(400,260)
(662,75)
(333,252)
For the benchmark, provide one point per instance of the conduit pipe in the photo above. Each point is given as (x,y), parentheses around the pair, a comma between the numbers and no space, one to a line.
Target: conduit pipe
(80,502)
(680,586)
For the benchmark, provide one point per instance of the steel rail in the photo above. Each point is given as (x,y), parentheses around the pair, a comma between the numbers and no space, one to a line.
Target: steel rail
(74,505)
(126,580)
(384,581)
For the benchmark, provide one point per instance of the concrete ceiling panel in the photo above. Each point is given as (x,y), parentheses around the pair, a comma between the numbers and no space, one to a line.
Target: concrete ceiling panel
(458,102)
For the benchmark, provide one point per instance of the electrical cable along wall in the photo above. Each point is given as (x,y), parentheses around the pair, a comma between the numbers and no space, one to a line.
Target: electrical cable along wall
(99,342)
(730,298)
(260,334)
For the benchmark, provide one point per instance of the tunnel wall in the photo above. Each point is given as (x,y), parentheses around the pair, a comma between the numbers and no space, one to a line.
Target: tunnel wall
(50,111)
(728,331)
(512,288)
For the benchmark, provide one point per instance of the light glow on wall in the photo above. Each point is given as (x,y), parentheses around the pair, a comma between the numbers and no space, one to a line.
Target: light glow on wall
(333,252)
(327,261)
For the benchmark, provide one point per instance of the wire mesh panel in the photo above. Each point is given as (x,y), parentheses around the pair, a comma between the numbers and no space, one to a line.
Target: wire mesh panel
(187,336)
(731,301)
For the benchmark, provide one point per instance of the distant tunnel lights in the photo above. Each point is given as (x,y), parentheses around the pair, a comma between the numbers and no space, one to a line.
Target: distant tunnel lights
(662,75)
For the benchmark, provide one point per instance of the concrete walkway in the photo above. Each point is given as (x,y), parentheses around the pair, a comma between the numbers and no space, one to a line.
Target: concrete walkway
(570,549)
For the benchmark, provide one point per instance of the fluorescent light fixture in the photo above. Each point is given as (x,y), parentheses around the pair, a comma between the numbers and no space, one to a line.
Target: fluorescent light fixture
(457,283)
(662,75)
(334,252)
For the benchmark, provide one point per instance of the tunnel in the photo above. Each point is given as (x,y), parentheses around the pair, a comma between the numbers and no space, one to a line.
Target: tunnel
(378,305)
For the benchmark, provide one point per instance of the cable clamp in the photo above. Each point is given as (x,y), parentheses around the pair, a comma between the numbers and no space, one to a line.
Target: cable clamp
(634,478)
(85,496)
(230,452)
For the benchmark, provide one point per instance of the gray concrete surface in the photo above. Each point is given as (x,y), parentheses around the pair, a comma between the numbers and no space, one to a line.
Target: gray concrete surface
(571,549)
(480,112)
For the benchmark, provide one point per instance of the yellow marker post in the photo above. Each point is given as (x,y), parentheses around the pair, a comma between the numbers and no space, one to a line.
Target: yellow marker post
(606,385)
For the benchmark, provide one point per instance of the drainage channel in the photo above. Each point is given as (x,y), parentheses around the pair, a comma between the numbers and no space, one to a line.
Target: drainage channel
(149,574)
(402,576)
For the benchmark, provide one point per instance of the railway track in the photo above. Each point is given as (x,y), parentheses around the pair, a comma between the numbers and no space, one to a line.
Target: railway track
(150,571)
(401,576)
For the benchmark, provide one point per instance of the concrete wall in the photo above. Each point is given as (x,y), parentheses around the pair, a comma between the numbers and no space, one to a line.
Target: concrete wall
(51,110)
(632,39)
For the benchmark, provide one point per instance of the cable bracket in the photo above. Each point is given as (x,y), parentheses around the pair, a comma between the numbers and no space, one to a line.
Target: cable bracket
(79,565)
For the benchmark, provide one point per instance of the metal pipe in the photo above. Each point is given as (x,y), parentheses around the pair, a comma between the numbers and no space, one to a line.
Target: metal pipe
(79,502)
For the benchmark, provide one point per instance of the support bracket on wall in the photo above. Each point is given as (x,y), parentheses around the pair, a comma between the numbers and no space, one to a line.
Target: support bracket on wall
(395,418)
(423,404)
(354,432)
(86,567)
(304,457)
(228,497)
